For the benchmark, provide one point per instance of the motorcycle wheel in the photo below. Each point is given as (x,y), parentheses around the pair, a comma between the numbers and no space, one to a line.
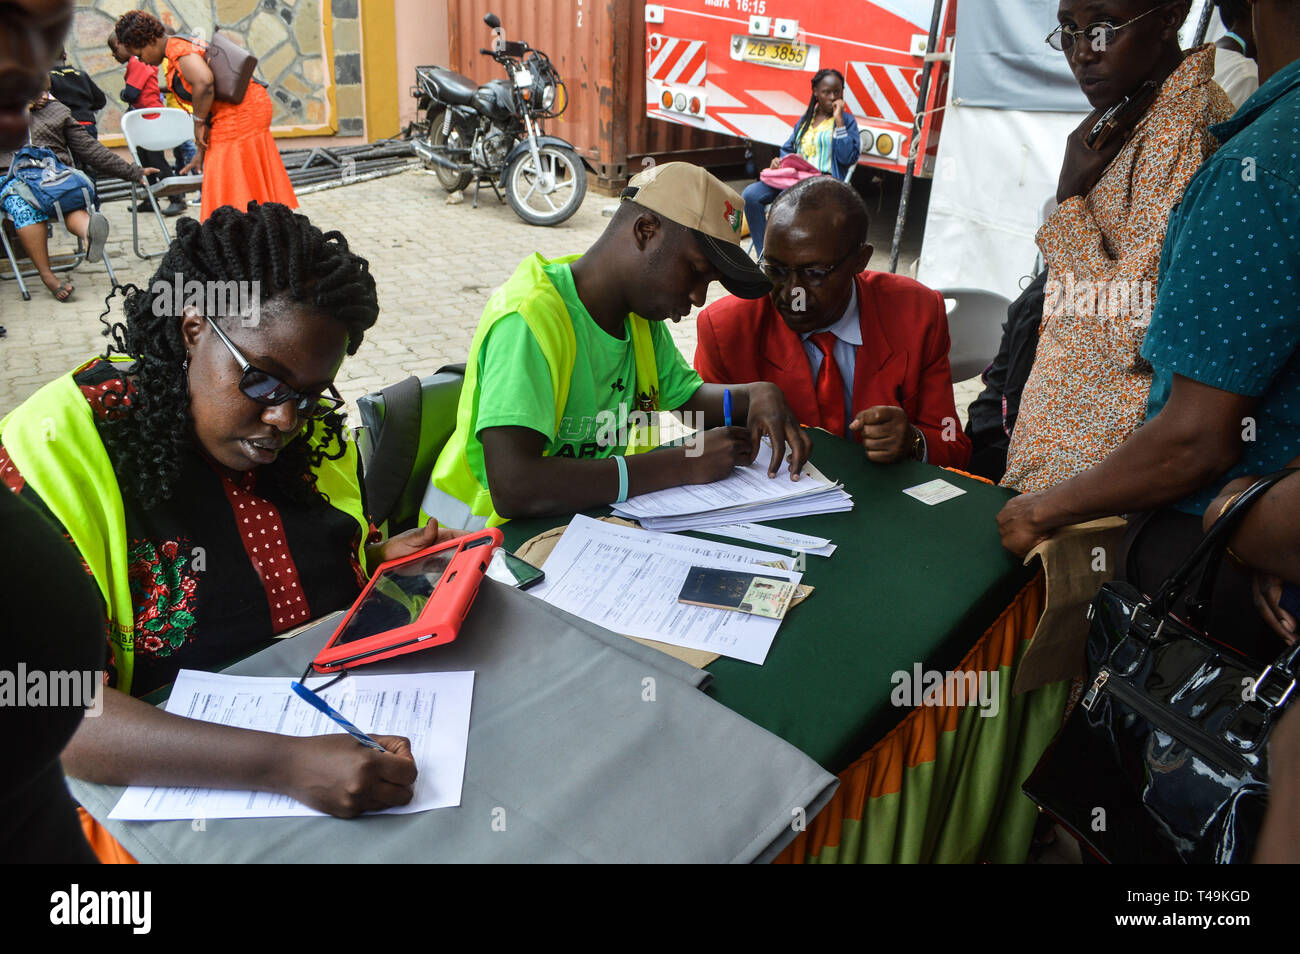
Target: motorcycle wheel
(450,180)
(526,185)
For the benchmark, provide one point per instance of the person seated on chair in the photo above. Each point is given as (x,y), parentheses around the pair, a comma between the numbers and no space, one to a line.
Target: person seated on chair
(826,135)
(1088,388)
(203,474)
(53,128)
(861,354)
(571,362)
(1225,345)
(141,92)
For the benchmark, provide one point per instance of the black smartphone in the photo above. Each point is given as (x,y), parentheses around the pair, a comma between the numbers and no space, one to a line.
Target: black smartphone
(509,569)
(1117,118)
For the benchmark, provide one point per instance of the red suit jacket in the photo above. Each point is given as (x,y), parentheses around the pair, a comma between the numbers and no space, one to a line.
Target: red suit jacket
(903,360)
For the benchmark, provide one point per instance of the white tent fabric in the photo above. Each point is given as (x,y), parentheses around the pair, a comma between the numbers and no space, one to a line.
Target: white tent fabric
(995,170)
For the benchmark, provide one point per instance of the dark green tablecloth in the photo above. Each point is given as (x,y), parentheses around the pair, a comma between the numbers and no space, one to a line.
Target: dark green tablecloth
(909,583)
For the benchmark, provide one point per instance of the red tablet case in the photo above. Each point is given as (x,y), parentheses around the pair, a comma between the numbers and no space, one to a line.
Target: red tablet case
(439,620)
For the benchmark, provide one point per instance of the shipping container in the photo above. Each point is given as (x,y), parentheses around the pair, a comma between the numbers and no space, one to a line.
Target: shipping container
(599,50)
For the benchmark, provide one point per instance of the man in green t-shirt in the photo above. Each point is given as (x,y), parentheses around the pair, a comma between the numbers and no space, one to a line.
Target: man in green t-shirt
(571,363)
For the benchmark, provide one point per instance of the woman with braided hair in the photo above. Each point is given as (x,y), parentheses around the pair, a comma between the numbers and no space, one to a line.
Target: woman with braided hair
(826,136)
(202,471)
(236,152)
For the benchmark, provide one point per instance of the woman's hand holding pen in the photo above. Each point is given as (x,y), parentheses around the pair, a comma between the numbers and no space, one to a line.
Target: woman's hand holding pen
(337,775)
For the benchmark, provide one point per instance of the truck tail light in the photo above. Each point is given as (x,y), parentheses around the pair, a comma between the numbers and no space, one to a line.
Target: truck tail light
(689,101)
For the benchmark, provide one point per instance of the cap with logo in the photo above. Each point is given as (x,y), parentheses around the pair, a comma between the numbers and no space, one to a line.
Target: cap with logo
(690,196)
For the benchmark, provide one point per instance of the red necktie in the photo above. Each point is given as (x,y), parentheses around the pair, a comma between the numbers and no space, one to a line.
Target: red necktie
(830,384)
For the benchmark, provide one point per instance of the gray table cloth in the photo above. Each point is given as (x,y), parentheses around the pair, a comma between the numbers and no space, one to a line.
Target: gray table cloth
(568,761)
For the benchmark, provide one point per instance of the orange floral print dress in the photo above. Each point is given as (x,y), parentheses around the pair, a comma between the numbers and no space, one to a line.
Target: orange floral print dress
(1087,391)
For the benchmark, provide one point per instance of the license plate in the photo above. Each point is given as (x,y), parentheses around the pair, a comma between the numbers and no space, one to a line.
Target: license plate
(779,53)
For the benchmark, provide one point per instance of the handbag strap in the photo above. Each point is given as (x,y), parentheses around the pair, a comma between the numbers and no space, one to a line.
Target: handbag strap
(1210,550)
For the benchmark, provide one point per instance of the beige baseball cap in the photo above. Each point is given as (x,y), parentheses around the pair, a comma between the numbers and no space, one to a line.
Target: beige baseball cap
(690,196)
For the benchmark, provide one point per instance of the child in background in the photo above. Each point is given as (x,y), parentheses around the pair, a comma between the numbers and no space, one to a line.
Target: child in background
(77,91)
(141,92)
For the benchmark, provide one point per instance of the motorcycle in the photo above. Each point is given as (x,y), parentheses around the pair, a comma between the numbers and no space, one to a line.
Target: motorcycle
(493,133)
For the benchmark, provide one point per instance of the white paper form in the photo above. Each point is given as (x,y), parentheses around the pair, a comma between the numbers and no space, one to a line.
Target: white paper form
(431,709)
(772,537)
(627,580)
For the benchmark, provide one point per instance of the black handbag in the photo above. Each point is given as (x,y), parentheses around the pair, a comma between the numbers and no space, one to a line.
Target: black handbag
(1165,758)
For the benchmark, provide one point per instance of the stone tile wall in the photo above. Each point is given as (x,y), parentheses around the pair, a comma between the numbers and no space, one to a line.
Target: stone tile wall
(285,35)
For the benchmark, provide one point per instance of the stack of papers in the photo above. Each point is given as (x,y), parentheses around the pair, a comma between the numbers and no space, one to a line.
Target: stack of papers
(746,496)
(628,580)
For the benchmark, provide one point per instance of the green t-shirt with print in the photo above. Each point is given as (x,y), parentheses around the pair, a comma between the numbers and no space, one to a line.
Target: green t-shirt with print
(515,383)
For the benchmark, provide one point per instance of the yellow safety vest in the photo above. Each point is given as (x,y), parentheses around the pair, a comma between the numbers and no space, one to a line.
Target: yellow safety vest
(455,496)
(52,440)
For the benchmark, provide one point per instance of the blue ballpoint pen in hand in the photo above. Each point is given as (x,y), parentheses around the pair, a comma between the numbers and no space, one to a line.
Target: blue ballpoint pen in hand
(726,407)
(316,702)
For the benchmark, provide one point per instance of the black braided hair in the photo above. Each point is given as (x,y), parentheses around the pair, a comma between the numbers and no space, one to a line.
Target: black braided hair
(808,113)
(291,259)
(137,28)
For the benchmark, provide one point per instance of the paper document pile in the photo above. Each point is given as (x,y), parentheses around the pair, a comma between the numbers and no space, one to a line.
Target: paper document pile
(627,580)
(748,495)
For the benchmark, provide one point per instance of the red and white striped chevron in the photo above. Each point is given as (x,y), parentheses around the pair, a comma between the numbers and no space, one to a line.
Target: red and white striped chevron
(877,91)
(672,60)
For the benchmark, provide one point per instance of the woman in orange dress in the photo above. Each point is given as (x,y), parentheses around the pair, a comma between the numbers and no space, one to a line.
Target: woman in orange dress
(237,154)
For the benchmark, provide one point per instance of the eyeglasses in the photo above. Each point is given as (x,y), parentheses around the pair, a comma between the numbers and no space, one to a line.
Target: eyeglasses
(266,389)
(809,275)
(1102,33)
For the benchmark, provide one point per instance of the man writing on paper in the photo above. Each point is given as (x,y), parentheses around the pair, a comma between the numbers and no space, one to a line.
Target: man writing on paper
(861,354)
(571,360)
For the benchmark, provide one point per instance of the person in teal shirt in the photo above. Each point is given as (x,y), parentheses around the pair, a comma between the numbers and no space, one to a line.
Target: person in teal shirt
(571,364)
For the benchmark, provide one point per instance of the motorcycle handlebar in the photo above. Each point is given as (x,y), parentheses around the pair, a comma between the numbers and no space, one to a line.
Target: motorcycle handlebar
(485,52)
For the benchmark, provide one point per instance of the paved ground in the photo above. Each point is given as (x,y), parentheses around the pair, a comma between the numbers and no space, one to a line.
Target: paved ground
(435,265)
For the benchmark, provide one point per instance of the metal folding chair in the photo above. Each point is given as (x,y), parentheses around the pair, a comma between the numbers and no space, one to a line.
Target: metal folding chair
(157,129)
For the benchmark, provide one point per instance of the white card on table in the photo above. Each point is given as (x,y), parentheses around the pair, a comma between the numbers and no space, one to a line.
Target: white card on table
(934,491)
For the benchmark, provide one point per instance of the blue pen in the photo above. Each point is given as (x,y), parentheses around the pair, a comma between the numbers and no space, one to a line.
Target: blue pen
(726,407)
(316,702)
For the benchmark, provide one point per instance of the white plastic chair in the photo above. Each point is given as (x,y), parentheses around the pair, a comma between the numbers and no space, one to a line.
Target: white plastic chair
(975,319)
(157,129)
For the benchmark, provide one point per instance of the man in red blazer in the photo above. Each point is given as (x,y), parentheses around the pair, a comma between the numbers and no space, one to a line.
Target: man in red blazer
(888,384)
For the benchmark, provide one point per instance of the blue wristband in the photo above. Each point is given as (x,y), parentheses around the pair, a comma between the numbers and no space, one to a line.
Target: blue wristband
(622,478)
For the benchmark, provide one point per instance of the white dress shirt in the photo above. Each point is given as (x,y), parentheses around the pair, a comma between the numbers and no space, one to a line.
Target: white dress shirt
(1238,75)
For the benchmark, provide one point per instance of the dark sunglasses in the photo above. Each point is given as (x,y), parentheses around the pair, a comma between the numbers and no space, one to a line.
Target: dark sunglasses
(266,389)
(809,275)
(1102,33)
